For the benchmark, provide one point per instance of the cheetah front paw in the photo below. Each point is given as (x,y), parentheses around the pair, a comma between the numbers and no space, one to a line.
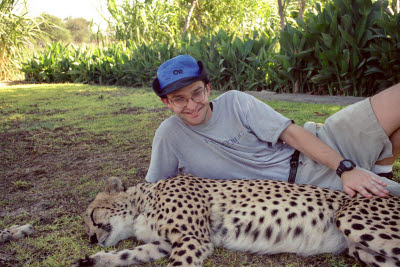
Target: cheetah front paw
(85,262)
(16,232)
(125,257)
(100,259)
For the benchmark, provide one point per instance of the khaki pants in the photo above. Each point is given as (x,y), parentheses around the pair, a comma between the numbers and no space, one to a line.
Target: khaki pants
(355,133)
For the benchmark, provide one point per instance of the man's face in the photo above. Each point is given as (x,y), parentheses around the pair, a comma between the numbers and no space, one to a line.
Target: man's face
(194,113)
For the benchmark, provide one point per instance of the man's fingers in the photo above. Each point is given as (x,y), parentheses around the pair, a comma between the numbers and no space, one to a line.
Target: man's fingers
(376,188)
(364,192)
(379,181)
(349,191)
(366,185)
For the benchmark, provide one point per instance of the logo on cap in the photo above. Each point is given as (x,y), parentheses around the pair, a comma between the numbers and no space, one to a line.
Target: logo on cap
(176,72)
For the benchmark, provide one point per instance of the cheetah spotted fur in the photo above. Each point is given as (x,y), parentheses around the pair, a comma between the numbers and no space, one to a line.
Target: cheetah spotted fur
(185,217)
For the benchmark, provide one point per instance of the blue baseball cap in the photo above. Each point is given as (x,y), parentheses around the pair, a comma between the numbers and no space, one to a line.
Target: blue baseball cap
(176,73)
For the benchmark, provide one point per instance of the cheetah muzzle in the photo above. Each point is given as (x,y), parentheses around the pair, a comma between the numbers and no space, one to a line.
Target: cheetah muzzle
(185,217)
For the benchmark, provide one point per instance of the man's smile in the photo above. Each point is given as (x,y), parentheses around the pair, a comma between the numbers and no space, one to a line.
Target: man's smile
(193,113)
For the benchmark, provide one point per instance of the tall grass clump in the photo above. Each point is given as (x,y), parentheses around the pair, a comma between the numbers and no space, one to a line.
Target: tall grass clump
(143,21)
(17,31)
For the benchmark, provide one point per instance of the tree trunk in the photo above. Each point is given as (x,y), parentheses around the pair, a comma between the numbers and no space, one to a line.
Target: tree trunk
(397,6)
(302,6)
(281,14)
(187,21)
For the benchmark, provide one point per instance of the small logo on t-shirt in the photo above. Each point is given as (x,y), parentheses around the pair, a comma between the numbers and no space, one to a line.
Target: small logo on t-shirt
(229,142)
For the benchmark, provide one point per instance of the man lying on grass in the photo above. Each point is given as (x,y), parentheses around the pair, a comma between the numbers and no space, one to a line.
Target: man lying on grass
(238,136)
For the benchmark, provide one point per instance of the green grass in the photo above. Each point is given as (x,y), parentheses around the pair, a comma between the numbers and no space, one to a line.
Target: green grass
(57,144)
(89,108)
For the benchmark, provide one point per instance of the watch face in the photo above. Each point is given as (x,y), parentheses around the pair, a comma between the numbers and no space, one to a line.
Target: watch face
(347,164)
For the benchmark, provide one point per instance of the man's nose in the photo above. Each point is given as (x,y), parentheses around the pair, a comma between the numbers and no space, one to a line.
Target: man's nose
(191,104)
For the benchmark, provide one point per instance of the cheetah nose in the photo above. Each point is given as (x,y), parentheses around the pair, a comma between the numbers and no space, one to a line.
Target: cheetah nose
(93,239)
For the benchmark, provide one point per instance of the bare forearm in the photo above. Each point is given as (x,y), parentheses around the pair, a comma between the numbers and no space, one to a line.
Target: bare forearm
(353,181)
(299,138)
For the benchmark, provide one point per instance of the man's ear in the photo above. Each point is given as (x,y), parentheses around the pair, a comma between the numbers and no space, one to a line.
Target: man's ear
(208,87)
(165,101)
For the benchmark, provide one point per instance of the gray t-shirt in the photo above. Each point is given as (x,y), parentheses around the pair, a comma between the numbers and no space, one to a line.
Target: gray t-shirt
(240,140)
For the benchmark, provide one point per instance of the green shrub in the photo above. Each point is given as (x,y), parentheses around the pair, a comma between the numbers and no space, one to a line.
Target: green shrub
(351,47)
(348,48)
(383,64)
(232,62)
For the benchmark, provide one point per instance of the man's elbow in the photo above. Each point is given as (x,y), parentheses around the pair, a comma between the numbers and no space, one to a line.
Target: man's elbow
(289,135)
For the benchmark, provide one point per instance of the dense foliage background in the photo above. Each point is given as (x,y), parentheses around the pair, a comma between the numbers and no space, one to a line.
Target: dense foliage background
(337,47)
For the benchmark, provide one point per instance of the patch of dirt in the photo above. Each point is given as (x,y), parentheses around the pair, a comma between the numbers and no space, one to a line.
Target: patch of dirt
(6,261)
(38,175)
(48,174)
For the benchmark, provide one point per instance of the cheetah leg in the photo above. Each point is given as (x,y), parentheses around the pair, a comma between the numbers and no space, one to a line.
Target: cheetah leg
(141,254)
(372,225)
(15,232)
(370,257)
(381,243)
(190,251)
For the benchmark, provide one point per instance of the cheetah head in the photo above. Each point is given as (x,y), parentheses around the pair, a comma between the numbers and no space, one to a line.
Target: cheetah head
(110,217)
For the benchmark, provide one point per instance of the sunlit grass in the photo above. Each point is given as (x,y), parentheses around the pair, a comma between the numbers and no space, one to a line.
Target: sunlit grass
(100,108)
(91,108)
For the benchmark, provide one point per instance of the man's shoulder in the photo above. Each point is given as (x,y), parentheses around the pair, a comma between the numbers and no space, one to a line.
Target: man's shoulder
(169,123)
(233,95)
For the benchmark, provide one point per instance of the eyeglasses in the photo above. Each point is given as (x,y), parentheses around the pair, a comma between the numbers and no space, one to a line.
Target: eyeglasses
(181,102)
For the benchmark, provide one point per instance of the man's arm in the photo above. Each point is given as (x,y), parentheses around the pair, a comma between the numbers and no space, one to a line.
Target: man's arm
(163,162)
(354,181)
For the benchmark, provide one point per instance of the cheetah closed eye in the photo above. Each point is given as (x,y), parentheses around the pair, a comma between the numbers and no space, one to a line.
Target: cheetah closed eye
(185,217)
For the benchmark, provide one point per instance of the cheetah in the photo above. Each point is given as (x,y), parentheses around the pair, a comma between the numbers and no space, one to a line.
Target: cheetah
(185,217)
(15,232)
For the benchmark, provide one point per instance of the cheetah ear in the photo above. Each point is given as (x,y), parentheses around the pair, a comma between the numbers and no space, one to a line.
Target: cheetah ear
(114,185)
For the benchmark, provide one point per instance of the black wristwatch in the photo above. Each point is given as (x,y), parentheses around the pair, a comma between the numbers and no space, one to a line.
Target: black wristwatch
(345,165)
